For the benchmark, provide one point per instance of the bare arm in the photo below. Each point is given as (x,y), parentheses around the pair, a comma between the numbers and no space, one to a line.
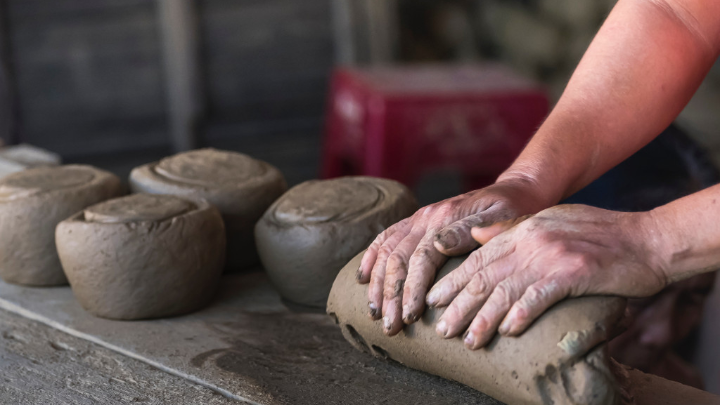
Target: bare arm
(641,69)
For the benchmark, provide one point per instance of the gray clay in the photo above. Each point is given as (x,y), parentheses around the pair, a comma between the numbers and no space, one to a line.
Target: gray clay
(561,359)
(32,203)
(241,187)
(308,234)
(143,256)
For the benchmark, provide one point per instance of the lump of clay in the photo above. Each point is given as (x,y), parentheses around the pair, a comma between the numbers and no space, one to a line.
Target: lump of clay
(32,203)
(307,235)
(561,359)
(20,157)
(241,187)
(143,256)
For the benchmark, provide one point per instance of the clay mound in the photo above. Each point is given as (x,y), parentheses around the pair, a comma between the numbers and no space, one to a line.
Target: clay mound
(308,234)
(32,203)
(143,256)
(241,187)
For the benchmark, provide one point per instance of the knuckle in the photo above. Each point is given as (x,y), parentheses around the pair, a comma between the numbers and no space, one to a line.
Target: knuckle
(475,260)
(582,261)
(422,255)
(558,249)
(396,262)
(504,292)
(477,286)
(426,211)
(533,295)
(379,240)
(385,250)
(479,325)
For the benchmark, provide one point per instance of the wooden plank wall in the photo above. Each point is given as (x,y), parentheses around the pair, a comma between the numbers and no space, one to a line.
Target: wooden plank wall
(90,73)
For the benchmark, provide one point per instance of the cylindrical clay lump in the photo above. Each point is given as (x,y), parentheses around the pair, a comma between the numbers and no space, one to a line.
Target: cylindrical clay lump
(143,256)
(308,235)
(32,203)
(241,187)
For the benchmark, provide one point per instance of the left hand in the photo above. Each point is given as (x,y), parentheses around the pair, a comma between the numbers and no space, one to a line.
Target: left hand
(563,251)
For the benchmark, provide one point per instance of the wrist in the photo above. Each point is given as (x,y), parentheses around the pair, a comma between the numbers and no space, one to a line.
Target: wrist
(528,188)
(654,242)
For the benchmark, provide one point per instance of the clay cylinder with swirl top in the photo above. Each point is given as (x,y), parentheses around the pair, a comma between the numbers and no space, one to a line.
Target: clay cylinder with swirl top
(308,234)
(241,187)
(143,256)
(32,203)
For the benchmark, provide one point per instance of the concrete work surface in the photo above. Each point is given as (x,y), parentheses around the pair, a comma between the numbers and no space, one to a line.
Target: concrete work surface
(41,365)
(246,346)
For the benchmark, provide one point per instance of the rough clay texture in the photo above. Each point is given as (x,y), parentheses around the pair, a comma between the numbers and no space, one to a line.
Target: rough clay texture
(561,359)
(241,187)
(32,203)
(311,232)
(143,256)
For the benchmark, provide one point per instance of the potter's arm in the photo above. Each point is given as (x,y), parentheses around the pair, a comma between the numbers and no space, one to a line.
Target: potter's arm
(684,235)
(639,72)
(642,68)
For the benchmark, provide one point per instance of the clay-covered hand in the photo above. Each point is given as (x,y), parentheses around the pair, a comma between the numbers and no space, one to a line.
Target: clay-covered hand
(563,251)
(402,262)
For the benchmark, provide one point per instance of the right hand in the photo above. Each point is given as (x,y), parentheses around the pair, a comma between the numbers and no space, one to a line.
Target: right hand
(402,261)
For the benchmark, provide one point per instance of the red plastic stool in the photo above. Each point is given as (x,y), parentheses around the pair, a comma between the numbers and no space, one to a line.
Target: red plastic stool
(403,122)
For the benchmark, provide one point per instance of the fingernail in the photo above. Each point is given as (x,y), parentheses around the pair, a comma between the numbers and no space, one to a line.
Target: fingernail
(469,339)
(433,298)
(387,323)
(504,327)
(448,240)
(408,317)
(442,328)
(373,310)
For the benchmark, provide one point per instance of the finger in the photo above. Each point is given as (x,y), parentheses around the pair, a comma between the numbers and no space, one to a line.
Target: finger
(395,274)
(533,303)
(424,263)
(463,309)
(455,239)
(371,254)
(445,290)
(483,327)
(483,235)
(377,275)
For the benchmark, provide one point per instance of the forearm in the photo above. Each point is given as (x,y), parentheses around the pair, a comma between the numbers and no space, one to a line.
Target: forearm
(639,72)
(684,235)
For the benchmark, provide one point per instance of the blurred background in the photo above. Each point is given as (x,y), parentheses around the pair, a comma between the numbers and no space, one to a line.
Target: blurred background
(119,83)
(95,80)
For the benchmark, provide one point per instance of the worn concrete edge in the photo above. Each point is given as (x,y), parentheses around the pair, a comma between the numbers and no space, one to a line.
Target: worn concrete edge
(18,310)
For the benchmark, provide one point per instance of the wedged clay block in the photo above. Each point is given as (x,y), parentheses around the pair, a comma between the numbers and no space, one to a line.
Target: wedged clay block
(241,187)
(143,256)
(32,203)
(20,157)
(561,359)
(311,232)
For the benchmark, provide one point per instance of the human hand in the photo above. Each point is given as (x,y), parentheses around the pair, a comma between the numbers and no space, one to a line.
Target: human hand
(403,260)
(563,251)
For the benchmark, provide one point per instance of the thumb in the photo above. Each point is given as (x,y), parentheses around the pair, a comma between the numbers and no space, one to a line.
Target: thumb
(455,239)
(483,234)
